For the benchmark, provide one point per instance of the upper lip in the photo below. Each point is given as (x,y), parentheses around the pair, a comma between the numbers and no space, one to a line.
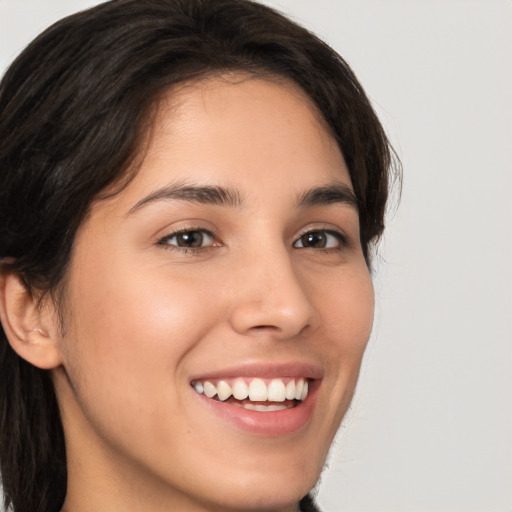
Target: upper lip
(264,370)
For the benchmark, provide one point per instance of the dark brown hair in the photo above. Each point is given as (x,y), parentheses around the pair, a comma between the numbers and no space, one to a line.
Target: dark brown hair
(74,107)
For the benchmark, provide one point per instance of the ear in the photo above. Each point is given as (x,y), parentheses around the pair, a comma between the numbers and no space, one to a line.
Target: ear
(31,329)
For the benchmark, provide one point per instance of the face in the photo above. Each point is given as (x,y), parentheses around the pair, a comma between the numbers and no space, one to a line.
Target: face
(217,310)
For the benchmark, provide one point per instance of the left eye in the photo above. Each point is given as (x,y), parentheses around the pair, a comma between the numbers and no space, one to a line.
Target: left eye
(191,239)
(320,240)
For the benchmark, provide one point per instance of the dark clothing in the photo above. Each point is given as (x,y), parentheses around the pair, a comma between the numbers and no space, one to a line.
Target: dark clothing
(307,504)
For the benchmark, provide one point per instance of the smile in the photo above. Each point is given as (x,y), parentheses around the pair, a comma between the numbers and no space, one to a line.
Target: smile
(256,394)
(261,399)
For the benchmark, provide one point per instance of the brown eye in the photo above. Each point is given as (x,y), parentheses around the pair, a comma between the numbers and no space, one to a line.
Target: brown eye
(316,240)
(320,240)
(189,239)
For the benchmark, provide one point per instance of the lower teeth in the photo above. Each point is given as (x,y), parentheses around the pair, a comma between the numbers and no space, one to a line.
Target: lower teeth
(264,408)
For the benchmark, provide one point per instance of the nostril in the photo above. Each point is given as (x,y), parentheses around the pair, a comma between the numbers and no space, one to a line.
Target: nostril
(277,330)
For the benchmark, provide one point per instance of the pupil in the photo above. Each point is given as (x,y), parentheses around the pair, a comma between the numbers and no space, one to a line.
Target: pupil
(190,239)
(314,240)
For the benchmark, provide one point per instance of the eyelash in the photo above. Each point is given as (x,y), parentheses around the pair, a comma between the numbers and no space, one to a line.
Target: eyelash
(164,242)
(340,238)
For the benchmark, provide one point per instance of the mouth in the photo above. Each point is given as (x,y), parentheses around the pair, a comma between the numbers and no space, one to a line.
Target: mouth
(256,394)
(260,398)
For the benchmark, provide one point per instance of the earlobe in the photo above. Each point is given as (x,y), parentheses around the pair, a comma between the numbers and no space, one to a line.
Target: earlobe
(31,328)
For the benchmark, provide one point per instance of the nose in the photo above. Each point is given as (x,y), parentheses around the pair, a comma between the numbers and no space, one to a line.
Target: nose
(271,298)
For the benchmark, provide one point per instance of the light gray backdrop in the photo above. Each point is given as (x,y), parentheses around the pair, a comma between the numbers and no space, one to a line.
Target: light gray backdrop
(431,427)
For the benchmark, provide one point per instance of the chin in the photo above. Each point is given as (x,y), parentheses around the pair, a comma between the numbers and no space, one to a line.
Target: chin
(277,484)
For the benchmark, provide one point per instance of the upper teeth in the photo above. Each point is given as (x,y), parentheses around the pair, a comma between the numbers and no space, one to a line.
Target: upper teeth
(256,390)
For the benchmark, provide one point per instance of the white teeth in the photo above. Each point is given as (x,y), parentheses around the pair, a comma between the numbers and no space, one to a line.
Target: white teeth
(290,390)
(304,391)
(240,389)
(223,390)
(276,391)
(264,408)
(209,389)
(298,389)
(257,390)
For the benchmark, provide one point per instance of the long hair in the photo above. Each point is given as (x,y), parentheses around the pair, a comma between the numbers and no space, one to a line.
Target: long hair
(74,109)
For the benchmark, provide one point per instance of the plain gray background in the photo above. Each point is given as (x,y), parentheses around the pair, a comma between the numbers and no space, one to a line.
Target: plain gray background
(431,425)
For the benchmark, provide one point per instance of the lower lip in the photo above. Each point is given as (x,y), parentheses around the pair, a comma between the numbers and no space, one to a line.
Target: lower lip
(273,423)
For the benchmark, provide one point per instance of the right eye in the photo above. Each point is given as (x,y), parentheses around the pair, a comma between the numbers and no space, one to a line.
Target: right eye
(188,239)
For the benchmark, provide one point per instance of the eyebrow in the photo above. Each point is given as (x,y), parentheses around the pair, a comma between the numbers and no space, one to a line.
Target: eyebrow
(204,194)
(229,197)
(329,194)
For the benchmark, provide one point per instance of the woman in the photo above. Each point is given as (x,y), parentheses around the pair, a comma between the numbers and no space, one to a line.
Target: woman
(190,191)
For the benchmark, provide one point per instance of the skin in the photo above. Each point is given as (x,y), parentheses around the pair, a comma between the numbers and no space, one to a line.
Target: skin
(143,316)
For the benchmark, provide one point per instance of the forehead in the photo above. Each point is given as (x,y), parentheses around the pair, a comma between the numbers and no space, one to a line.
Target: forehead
(222,95)
(239,131)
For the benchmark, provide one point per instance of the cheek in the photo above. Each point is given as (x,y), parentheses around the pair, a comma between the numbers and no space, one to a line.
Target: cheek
(346,305)
(127,350)
(140,324)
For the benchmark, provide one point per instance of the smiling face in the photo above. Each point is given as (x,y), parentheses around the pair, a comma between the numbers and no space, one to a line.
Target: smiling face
(227,277)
